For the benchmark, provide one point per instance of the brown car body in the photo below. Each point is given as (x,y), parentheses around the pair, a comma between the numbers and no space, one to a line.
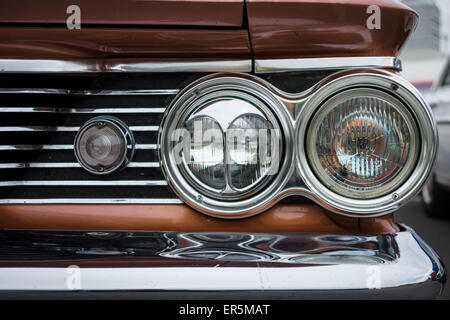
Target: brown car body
(199,30)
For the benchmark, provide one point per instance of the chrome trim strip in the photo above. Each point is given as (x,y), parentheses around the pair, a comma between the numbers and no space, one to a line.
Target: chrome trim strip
(83,183)
(81,110)
(305,64)
(39,128)
(193,66)
(146,147)
(112,65)
(237,262)
(71,92)
(25,165)
(143,165)
(28,147)
(90,201)
(66,129)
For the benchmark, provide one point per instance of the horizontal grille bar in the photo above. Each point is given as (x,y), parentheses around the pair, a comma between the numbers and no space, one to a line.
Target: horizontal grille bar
(67,129)
(81,110)
(99,201)
(88,92)
(62,147)
(25,165)
(84,183)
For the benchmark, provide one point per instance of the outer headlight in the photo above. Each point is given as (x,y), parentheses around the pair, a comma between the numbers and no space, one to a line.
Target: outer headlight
(362,143)
(365,142)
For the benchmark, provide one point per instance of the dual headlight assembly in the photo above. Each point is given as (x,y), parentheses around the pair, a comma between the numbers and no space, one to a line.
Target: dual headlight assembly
(359,143)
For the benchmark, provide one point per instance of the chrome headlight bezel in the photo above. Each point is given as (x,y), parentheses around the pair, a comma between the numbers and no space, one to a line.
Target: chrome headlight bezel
(328,107)
(294,113)
(253,201)
(400,89)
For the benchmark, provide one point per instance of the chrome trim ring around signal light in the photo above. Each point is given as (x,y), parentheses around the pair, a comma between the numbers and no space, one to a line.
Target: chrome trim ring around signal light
(294,112)
(119,127)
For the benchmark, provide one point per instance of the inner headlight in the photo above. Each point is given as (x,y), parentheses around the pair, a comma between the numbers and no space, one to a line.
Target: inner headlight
(362,143)
(230,146)
(225,146)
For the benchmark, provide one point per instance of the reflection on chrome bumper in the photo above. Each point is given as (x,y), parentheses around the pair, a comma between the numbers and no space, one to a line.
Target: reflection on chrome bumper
(218,262)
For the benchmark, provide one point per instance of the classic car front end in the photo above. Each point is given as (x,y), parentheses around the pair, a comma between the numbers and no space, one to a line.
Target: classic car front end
(205,149)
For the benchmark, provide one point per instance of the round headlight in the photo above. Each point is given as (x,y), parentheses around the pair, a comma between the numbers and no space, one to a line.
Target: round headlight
(103,145)
(230,147)
(223,146)
(362,143)
(366,142)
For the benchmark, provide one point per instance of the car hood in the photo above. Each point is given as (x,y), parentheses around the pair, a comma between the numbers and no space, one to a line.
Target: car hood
(237,29)
(126,12)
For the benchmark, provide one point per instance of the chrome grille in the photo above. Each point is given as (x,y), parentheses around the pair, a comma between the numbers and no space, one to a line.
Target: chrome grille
(40,116)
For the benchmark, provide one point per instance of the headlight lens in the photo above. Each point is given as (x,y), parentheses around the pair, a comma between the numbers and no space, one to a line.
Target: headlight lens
(205,158)
(252,137)
(361,143)
(231,146)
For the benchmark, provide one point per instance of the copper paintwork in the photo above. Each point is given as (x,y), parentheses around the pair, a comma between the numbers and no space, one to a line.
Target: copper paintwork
(281,218)
(326,28)
(127,12)
(61,43)
(278,29)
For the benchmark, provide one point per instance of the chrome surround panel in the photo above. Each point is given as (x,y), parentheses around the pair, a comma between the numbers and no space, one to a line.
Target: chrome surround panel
(218,262)
(294,112)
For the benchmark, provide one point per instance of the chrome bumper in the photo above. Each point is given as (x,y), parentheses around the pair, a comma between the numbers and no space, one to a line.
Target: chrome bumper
(217,265)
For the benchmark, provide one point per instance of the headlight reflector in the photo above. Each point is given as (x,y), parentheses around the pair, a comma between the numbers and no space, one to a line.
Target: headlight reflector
(205,156)
(250,148)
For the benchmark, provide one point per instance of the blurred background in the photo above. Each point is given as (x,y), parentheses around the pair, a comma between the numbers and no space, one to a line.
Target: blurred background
(425,54)
(425,64)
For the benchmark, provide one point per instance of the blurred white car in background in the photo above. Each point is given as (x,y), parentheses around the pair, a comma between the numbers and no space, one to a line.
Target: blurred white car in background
(436,194)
